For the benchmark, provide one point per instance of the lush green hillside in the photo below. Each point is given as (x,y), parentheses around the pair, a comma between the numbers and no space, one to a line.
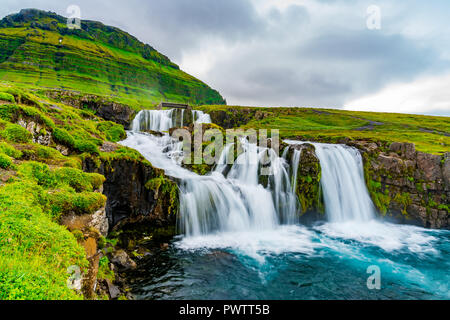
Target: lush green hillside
(37,50)
(430,134)
(42,146)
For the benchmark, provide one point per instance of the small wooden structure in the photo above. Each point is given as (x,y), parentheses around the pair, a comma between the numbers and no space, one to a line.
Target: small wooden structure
(172,106)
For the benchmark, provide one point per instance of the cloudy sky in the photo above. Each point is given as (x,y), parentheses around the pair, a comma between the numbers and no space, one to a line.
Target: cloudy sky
(294,52)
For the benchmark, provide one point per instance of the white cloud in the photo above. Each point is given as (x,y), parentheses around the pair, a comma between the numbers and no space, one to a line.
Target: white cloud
(423,95)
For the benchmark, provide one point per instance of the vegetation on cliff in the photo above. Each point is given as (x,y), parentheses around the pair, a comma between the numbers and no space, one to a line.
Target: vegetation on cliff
(45,195)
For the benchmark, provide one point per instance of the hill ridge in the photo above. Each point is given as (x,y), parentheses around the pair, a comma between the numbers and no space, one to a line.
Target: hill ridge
(38,49)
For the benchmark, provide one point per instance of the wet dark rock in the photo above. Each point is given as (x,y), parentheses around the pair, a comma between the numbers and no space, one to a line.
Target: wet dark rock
(122,260)
(114,292)
(128,197)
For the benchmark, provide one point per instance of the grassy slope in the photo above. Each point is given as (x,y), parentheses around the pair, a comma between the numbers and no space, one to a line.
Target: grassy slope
(98,60)
(38,185)
(430,134)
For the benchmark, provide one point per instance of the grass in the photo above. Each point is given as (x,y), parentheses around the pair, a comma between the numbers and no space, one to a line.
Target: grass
(430,134)
(39,185)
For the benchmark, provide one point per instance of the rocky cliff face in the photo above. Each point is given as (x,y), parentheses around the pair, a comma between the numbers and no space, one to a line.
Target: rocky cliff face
(136,193)
(104,108)
(406,184)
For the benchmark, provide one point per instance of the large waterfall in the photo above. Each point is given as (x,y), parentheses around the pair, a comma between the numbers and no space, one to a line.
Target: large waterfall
(231,197)
(242,238)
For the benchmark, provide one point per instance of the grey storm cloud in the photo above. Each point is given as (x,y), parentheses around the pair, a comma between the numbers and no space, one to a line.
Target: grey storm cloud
(279,56)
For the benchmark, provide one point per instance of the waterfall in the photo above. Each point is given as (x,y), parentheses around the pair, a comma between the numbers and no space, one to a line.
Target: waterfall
(231,198)
(345,192)
(238,196)
(154,120)
(201,117)
(295,163)
(236,200)
(163,120)
(182,118)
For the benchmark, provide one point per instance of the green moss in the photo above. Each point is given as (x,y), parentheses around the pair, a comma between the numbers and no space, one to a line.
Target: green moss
(86,146)
(37,172)
(405,200)
(65,201)
(10,150)
(5,161)
(46,153)
(75,178)
(6,97)
(78,234)
(113,132)
(201,169)
(15,133)
(166,192)
(307,186)
(63,137)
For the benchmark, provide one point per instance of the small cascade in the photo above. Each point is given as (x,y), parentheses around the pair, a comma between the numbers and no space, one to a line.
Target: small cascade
(345,192)
(201,117)
(182,118)
(154,120)
(163,120)
(295,161)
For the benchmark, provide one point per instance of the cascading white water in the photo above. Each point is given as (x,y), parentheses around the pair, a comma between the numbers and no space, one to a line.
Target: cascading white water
(295,163)
(235,200)
(154,120)
(163,120)
(232,197)
(344,190)
(229,199)
(201,117)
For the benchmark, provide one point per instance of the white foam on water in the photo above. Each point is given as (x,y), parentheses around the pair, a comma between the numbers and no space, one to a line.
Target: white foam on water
(257,244)
(387,236)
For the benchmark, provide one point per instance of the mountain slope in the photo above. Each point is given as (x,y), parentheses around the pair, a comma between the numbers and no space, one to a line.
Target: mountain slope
(37,49)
